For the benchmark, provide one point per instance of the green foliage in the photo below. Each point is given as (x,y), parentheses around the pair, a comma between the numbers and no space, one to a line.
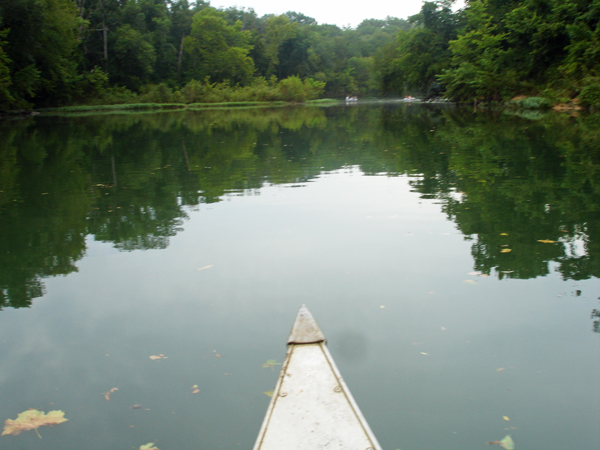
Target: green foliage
(590,93)
(533,103)
(134,57)
(294,89)
(157,93)
(412,63)
(56,52)
(6,97)
(39,47)
(218,50)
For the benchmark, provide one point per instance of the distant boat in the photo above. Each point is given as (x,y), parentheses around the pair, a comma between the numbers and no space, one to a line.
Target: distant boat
(312,408)
(352,99)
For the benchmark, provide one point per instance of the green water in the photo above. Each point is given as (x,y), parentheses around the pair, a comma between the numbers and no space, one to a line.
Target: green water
(411,232)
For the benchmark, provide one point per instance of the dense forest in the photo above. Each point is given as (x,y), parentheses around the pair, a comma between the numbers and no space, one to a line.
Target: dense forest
(497,49)
(67,52)
(55,52)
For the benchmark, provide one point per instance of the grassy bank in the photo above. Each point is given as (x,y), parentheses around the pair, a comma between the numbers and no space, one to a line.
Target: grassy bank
(151,107)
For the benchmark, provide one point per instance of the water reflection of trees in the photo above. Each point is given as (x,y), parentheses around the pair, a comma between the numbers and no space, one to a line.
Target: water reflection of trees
(506,181)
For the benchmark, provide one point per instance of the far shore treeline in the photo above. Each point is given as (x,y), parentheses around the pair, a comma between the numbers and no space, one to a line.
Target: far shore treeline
(93,52)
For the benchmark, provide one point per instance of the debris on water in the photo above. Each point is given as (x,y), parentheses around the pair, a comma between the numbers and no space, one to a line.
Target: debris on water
(136,406)
(148,446)
(107,394)
(270,363)
(506,442)
(32,419)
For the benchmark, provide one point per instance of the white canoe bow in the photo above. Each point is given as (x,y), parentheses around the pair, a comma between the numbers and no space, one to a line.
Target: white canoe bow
(312,408)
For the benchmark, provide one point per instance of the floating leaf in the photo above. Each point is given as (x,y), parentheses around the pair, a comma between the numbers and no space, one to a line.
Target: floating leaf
(107,394)
(195,389)
(546,241)
(270,363)
(506,442)
(206,267)
(505,418)
(470,282)
(148,446)
(505,250)
(161,356)
(269,393)
(136,406)
(503,234)
(31,420)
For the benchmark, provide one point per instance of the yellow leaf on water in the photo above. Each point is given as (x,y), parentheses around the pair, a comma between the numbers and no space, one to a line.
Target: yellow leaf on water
(32,419)
(269,393)
(546,241)
(505,418)
(107,394)
(505,250)
(503,234)
(161,356)
(148,446)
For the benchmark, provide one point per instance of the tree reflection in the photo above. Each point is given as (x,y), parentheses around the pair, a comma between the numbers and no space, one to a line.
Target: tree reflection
(128,179)
(509,183)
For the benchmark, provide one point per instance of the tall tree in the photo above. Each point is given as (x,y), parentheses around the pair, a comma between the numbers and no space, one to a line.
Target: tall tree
(219,51)
(40,45)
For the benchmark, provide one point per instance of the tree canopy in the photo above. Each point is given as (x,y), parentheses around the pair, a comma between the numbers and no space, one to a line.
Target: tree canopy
(57,52)
(60,52)
(496,49)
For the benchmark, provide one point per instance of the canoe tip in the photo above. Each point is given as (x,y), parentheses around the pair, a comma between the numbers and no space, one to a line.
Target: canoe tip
(305,329)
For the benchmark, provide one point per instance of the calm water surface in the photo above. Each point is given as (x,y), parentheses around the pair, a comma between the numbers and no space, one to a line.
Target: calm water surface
(452,260)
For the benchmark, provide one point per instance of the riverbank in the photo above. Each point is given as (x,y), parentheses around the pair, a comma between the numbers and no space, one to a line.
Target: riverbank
(154,107)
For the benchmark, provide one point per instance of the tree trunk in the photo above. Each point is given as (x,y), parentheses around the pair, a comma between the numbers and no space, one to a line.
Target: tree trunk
(180,55)
(105,39)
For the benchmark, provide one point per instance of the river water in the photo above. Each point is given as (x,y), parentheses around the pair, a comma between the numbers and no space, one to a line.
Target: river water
(451,258)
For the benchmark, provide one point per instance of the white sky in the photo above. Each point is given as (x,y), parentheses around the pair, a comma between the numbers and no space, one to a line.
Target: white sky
(334,12)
